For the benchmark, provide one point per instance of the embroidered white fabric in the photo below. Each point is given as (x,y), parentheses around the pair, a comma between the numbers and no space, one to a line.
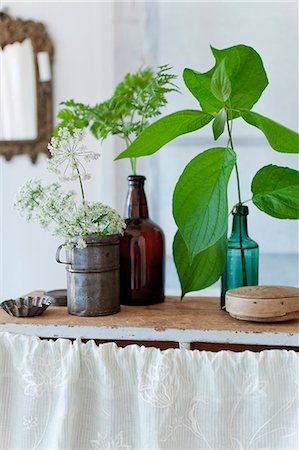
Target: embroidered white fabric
(64,395)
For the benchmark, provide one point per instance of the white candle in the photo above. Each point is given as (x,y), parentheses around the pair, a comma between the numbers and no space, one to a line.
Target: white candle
(44,67)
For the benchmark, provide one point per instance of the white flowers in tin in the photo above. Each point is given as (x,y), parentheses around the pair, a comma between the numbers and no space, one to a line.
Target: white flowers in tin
(61,211)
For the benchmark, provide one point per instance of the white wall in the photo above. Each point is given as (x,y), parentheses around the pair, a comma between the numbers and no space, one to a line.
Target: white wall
(95,44)
(83,36)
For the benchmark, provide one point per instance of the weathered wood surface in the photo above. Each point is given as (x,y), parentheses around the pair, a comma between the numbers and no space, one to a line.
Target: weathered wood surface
(193,320)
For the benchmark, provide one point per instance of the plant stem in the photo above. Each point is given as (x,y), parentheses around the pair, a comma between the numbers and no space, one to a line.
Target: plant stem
(81,184)
(243,261)
(230,140)
(246,201)
(235,206)
(238,183)
(133,165)
(133,161)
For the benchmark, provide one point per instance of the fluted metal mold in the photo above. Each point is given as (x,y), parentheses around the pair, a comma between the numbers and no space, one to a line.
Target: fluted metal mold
(27,306)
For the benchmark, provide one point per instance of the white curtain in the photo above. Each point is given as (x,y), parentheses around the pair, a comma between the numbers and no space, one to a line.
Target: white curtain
(18,111)
(64,395)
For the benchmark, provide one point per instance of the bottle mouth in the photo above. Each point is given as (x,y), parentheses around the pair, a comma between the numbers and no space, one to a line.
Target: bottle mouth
(136,179)
(241,210)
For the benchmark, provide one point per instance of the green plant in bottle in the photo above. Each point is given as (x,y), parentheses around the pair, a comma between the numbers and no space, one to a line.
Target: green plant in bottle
(200,205)
(242,262)
(137,98)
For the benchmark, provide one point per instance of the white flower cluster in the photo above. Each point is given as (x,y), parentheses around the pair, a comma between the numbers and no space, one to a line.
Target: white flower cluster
(60,211)
(43,204)
(52,208)
(68,154)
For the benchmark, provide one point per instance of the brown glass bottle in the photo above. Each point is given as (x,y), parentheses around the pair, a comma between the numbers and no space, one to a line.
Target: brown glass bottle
(142,251)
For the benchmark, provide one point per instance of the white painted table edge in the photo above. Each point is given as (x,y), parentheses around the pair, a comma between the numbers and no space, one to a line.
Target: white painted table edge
(183,336)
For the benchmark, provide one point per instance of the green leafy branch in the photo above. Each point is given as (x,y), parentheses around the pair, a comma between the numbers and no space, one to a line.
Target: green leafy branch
(138,98)
(200,207)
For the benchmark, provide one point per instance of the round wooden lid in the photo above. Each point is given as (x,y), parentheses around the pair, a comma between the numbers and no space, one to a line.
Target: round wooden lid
(263,303)
(264,292)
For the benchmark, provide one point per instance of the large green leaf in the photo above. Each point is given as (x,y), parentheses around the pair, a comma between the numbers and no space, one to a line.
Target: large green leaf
(245,71)
(206,267)
(276,191)
(200,199)
(280,138)
(164,131)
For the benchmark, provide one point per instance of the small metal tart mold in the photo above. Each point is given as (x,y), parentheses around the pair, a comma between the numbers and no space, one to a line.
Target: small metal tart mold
(26,306)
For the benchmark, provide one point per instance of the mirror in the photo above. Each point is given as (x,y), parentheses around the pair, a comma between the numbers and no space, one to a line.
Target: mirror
(18,110)
(26,56)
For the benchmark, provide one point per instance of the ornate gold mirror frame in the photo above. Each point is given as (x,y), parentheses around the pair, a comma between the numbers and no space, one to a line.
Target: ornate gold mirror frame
(17,30)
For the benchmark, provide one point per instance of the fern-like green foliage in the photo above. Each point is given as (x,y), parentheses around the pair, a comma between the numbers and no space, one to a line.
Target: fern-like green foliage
(137,98)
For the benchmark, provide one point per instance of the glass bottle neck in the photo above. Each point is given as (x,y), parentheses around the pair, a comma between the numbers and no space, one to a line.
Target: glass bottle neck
(239,226)
(136,204)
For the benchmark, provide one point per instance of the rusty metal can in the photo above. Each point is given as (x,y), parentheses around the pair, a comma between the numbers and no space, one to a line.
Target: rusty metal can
(93,286)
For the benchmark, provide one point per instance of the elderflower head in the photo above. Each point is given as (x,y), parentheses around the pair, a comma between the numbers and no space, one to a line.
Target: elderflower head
(91,219)
(100,219)
(57,210)
(46,205)
(28,198)
(68,155)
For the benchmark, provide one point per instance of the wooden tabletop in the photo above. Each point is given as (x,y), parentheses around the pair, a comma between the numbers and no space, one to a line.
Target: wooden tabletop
(195,319)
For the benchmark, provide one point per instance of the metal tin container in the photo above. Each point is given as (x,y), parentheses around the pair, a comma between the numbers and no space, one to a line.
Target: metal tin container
(93,276)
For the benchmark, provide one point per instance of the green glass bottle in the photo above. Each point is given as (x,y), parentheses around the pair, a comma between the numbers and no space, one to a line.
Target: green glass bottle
(242,265)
